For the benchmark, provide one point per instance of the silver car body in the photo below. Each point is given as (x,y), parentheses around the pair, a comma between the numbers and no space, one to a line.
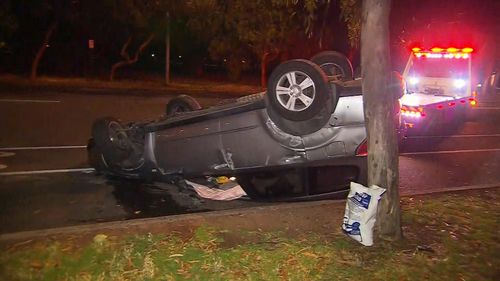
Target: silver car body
(240,137)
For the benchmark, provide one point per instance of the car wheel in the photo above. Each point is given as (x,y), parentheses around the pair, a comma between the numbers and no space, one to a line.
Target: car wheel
(299,98)
(95,158)
(334,64)
(182,103)
(119,154)
(269,185)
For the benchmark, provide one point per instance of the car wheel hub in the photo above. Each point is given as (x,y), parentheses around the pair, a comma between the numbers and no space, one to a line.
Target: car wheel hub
(295,91)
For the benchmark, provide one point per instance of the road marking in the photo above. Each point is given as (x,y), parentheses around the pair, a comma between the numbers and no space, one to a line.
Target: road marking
(20,173)
(450,151)
(32,101)
(7,154)
(43,147)
(2,166)
(454,136)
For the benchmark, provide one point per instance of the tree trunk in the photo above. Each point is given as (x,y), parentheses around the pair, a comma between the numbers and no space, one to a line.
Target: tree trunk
(127,59)
(41,50)
(378,101)
(323,25)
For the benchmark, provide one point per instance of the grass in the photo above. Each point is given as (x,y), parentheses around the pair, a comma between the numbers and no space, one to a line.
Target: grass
(447,237)
(185,84)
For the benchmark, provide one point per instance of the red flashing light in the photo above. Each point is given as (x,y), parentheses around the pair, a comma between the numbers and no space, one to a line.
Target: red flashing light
(448,53)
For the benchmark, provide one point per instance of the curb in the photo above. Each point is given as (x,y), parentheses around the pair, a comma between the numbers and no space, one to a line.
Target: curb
(278,217)
(451,189)
(282,214)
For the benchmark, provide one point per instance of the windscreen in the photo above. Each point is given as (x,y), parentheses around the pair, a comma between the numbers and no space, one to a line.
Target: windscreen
(440,68)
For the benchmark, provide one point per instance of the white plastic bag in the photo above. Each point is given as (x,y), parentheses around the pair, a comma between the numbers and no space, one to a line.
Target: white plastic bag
(361,211)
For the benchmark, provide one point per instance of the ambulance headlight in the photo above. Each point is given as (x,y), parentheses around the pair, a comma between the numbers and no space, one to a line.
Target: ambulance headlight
(459,83)
(413,80)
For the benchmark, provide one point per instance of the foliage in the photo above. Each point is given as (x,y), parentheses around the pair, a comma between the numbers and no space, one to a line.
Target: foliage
(448,237)
(351,13)
(241,29)
(8,24)
(112,22)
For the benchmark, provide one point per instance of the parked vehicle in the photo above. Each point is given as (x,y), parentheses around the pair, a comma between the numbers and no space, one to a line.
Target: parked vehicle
(439,87)
(491,86)
(304,137)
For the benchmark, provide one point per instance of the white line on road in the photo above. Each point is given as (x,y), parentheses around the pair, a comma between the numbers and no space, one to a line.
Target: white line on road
(32,101)
(3,166)
(450,151)
(43,147)
(20,173)
(454,136)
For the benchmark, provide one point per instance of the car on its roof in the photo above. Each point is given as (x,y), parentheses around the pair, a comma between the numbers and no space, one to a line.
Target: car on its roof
(304,137)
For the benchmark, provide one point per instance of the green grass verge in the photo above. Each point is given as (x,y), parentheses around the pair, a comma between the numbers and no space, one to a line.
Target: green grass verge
(447,237)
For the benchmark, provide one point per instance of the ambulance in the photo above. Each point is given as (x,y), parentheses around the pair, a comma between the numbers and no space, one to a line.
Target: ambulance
(438,86)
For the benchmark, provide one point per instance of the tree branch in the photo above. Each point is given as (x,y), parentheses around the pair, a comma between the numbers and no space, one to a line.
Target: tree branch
(41,50)
(128,60)
(123,53)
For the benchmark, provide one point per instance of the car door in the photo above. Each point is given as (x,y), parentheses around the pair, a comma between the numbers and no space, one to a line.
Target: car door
(191,149)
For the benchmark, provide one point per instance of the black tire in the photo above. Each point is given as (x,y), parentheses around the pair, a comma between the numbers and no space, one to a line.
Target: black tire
(111,142)
(300,128)
(95,158)
(334,63)
(182,103)
(292,83)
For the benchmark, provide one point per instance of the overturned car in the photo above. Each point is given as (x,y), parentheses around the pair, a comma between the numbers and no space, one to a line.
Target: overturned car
(304,137)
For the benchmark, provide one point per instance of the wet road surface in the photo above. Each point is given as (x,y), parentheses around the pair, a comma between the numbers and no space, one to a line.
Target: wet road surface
(39,135)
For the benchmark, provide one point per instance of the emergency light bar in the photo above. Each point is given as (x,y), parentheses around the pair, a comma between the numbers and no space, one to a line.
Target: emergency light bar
(438,53)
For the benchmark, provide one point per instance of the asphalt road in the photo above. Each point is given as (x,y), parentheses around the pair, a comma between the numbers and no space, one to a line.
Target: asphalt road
(42,132)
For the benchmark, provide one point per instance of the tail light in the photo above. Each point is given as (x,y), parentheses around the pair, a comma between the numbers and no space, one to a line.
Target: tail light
(362,149)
